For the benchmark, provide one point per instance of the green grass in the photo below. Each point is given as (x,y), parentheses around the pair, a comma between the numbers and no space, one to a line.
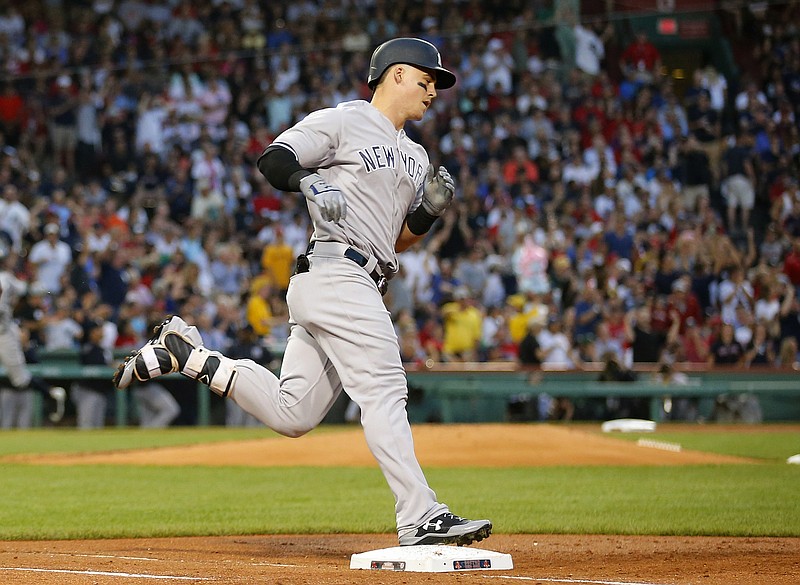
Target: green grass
(112,439)
(109,501)
(770,446)
(54,502)
(50,440)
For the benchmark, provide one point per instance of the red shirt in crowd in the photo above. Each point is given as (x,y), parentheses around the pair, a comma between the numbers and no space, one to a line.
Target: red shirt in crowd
(641,54)
(687,306)
(513,169)
(791,266)
(12,108)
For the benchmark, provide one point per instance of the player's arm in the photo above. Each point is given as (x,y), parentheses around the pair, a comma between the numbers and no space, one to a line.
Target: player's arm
(283,171)
(407,239)
(674,327)
(437,194)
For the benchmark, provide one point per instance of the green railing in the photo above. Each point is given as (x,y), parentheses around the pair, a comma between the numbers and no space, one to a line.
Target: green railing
(481,392)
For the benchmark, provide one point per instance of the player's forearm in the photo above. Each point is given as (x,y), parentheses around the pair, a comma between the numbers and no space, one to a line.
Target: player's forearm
(407,239)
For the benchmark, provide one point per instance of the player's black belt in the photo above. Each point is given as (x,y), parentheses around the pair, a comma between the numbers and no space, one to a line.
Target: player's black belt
(351,254)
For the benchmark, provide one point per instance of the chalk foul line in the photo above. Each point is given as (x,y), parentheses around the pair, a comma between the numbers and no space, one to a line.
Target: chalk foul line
(109,557)
(580,581)
(105,574)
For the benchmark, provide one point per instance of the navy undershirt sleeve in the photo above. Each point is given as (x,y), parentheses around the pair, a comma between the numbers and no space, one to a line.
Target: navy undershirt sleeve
(281,169)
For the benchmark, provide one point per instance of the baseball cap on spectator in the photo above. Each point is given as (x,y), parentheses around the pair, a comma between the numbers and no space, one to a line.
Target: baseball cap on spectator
(680,285)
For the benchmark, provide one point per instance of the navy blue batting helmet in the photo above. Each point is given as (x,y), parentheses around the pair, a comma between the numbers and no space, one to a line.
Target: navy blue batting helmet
(416,52)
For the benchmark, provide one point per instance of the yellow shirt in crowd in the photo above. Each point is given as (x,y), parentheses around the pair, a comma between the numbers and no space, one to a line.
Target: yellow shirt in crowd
(462,327)
(278,260)
(259,314)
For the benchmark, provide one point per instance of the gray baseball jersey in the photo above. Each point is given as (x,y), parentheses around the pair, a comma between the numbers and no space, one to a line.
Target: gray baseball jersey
(11,289)
(11,355)
(379,169)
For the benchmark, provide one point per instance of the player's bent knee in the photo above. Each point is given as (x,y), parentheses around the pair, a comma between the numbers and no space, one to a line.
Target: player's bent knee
(295,431)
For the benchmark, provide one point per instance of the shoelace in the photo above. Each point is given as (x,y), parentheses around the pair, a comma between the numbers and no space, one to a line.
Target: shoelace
(454,517)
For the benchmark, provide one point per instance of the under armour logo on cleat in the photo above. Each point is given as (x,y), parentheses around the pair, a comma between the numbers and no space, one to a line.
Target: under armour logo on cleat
(433,526)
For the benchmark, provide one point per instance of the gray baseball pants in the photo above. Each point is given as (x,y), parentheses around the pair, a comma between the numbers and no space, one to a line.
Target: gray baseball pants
(342,337)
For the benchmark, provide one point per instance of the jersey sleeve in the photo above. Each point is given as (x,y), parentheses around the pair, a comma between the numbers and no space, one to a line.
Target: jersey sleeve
(417,200)
(425,161)
(314,139)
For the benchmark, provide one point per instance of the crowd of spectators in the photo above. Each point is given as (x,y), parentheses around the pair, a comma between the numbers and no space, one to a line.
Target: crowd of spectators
(600,212)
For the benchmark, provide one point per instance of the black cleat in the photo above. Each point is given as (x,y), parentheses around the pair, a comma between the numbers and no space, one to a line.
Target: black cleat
(448,528)
(154,358)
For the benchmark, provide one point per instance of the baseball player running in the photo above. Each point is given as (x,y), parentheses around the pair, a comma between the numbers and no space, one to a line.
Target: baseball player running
(16,405)
(371,193)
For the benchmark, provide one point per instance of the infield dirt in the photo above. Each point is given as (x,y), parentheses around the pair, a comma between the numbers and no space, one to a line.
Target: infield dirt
(436,446)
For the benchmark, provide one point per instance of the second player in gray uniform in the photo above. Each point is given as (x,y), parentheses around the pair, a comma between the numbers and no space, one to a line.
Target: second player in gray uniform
(372,193)
(17,403)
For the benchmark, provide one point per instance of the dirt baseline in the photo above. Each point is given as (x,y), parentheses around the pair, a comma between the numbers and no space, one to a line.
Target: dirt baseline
(324,559)
(436,446)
